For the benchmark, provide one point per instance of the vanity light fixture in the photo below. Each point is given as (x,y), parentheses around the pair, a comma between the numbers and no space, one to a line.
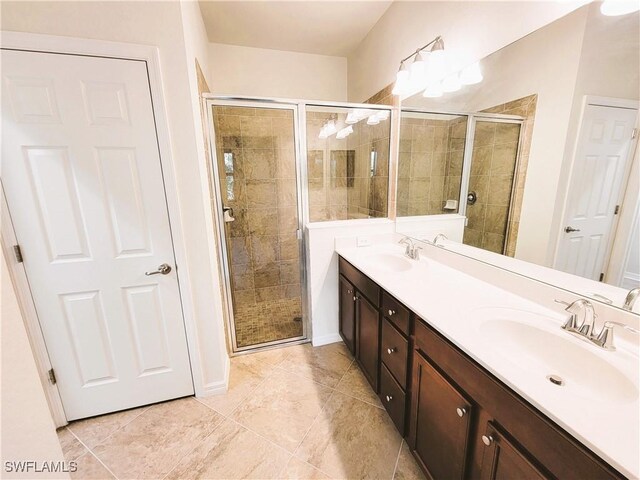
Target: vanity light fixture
(434,72)
(373,120)
(612,8)
(328,129)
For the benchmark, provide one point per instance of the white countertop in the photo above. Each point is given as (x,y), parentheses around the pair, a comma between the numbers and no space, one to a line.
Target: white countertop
(449,300)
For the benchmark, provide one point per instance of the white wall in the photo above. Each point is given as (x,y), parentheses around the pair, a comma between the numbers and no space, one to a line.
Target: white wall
(237,70)
(158,24)
(476,29)
(27,430)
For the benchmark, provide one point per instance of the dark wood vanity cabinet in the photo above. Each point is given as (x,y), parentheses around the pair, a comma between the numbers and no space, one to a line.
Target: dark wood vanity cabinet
(359,319)
(459,420)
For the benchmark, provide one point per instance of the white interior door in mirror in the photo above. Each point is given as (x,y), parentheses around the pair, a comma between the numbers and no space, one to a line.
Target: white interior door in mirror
(597,180)
(82,175)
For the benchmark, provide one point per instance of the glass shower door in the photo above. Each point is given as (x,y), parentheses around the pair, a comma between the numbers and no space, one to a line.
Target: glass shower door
(496,183)
(257,178)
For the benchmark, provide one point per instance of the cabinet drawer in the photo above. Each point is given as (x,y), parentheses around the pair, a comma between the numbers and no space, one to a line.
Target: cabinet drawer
(393,398)
(396,312)
(395,352)
(368,288)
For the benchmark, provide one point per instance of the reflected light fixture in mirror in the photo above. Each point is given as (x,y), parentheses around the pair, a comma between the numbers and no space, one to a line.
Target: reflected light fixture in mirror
(613,8)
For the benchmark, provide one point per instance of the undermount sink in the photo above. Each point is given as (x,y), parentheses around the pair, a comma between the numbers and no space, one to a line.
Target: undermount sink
(389,262)
(541,347)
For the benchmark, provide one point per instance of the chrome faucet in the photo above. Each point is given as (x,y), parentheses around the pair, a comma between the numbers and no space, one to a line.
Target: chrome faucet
(586,326)
(440,236)
(632,296)
(412,250)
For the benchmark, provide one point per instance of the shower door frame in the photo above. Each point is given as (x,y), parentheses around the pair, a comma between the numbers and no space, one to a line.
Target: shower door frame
(472,119)
(296,108)
(468,159)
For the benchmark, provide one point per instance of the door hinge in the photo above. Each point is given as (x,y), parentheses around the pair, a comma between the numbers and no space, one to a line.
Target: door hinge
(615,212)
(601,277)
(17,251)
(634,133)
(52,377)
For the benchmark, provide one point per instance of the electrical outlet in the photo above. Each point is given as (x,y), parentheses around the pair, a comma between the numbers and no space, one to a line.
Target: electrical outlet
(363,241)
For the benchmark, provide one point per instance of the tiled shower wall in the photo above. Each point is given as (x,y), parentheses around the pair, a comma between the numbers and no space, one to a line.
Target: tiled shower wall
(348,178)
(430,164)
(256,161)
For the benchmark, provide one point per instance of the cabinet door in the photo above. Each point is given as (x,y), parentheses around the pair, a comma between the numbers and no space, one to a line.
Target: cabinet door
(440,422)
(368,339)
(347,313)
(504,460)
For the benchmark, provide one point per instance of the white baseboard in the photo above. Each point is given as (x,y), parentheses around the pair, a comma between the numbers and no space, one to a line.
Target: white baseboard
(220,387)
(326,339)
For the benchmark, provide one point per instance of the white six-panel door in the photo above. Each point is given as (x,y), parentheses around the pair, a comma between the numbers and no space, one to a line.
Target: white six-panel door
(596,184)
(83,180)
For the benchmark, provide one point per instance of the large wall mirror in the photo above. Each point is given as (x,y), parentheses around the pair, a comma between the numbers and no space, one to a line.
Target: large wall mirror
(539,156)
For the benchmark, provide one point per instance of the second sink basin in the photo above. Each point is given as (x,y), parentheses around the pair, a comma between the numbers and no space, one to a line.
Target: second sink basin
(541,347)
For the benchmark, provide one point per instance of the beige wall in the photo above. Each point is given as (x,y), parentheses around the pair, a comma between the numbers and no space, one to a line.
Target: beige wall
(158,24)
(27,432)
(543,63)
(237,70)
(475,29)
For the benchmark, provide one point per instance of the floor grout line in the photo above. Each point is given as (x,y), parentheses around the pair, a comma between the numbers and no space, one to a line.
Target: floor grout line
(395,468)
(92,453)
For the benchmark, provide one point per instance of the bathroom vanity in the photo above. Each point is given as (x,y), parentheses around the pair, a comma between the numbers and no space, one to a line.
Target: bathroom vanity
(465,410)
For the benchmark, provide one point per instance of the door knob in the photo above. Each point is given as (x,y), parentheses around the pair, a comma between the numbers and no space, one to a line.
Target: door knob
(461,411)
(570,229)
(163,269)
(487,440)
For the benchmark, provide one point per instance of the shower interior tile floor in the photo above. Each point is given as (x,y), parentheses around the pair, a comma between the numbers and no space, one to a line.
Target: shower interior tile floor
(296,412)
(267,321)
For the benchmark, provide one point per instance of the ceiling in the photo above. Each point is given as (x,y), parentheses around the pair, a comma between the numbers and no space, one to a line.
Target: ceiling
(321,27)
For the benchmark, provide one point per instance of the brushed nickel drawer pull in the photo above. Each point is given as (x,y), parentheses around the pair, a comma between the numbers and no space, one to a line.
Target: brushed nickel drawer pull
(389,398)
(391,312)
(487,440)
(461,411)
(391,350)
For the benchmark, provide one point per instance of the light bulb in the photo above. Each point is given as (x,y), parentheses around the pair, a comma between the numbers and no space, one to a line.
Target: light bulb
(451,83)
(433,90)
(436,67)
(403,73)
(419,65)
(471,74)
(401,87)
(612,8)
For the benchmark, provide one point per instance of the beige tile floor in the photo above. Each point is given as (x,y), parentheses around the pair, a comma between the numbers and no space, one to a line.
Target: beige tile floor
(293,413)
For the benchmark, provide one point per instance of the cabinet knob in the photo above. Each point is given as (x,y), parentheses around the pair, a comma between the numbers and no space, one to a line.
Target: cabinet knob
(355,298)
(349,292)
(461,411)
(391,350)
(389,398)
(487,440)
(391,312)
